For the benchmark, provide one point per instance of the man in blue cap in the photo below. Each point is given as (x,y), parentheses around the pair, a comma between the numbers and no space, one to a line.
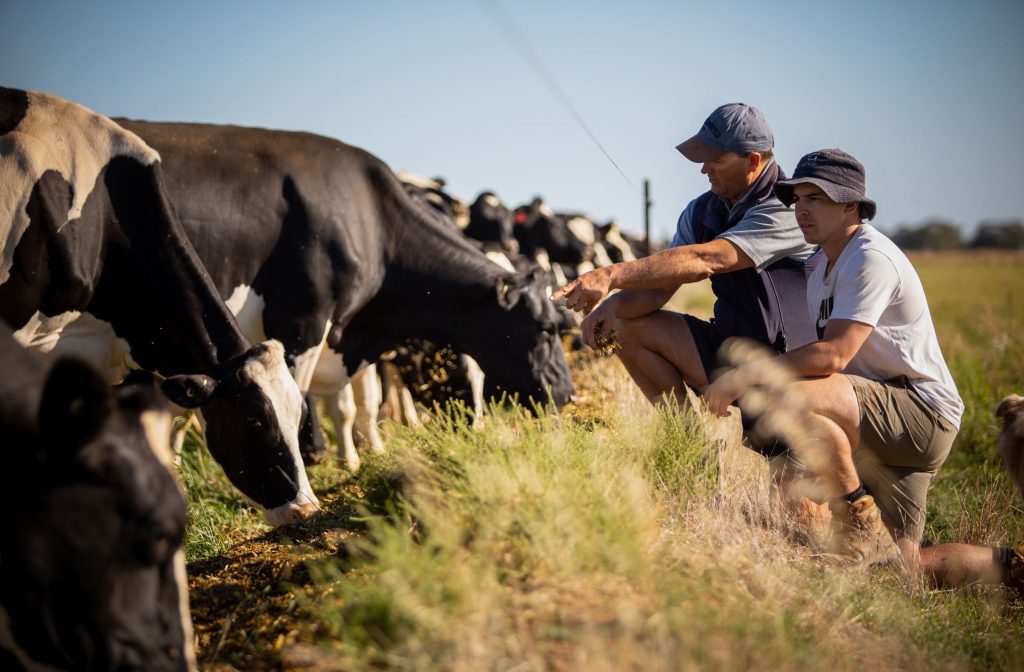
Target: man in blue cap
(739,235)
(873,388)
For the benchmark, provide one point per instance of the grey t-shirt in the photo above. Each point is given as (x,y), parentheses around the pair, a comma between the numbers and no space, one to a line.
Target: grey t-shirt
(768,233)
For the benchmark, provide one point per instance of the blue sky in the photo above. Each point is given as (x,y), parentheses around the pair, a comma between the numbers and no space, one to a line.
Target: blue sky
(928,95)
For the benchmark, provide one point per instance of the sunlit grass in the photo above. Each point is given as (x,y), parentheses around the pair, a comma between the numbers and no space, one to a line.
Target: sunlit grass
(614,536)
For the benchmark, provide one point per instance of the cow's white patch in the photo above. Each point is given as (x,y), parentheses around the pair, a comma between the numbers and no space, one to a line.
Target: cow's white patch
(601,258)
(614,238)
(83,336)
(544,261)
(247,306)
(306,364)
(10,644)
(330,375)
(65,137)
(184,613)
(270,373)
(415,180)
(583,229)
(500,259)
(492,200)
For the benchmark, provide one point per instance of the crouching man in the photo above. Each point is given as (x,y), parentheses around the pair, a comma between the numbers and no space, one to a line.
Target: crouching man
(875,385)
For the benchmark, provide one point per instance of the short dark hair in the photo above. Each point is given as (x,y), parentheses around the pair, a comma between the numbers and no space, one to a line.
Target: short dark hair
(766,156)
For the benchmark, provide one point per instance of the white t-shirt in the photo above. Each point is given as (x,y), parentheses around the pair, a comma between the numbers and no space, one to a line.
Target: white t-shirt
(874,283)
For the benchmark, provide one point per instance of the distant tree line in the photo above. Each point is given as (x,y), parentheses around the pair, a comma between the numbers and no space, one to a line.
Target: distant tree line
(938,234)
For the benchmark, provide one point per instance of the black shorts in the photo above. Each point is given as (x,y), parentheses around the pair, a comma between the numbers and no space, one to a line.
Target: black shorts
(708,340)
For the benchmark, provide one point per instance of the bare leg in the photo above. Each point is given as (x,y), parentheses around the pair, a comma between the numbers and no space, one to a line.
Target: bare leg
(659,353)
(956,565)
(834,417)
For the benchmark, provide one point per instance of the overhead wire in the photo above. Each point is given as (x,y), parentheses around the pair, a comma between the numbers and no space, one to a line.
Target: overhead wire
(507,25)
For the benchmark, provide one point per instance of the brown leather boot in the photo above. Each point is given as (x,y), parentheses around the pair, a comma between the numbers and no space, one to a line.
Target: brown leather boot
(858,534)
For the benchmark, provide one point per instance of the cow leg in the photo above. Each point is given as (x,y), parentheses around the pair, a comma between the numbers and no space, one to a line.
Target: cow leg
(179,430)
(476,384)
(312,446)
(398,399)
(368,397)
(330,381)
(342,407)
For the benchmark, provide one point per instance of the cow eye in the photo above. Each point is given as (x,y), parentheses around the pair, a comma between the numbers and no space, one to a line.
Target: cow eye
(157,542)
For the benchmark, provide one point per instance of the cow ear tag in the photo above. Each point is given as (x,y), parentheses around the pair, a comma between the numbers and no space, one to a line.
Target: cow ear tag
(189,391)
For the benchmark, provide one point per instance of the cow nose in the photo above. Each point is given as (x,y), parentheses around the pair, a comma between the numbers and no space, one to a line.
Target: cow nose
(297,513)
(290,513)
(305,511)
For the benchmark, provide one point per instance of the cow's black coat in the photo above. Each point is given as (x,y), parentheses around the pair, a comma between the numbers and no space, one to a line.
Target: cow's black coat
(127,261)
(90,521)
(324,231)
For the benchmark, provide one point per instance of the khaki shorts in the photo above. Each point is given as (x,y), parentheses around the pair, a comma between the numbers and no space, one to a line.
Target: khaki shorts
(903,442)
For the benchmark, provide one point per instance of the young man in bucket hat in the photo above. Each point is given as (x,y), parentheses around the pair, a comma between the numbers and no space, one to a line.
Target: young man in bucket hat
(875,385)
(737,234)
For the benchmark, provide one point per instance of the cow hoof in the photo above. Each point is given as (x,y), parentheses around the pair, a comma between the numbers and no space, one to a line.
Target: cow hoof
(351,460)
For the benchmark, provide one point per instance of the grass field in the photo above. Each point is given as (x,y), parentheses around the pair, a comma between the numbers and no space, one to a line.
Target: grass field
(609,537)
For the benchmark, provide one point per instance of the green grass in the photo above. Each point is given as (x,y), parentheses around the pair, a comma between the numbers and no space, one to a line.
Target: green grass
(616,537)
(977,304)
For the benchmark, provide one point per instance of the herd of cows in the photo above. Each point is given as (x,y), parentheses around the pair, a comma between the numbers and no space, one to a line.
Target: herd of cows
(236,271)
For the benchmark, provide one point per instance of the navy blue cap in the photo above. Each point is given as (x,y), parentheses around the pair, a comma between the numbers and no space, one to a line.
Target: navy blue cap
(733,127)
(836,173)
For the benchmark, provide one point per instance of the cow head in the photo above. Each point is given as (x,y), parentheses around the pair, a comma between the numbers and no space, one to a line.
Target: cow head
(93,576)
(541,229)
(490,222)
(253,410)
(518,346)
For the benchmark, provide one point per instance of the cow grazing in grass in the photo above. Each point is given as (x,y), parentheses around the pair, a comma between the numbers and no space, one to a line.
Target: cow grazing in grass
(1011,441)
(91,520)
(93,261)
(317,242)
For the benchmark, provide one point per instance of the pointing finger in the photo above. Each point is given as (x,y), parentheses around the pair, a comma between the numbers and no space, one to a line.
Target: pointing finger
(562,292)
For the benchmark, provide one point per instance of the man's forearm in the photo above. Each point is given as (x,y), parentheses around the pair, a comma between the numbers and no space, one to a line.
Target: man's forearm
(821,358)
(633,303)
(666,270)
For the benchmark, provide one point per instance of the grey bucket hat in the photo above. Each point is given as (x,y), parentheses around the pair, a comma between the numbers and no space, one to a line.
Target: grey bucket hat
(833,171)
(733,127)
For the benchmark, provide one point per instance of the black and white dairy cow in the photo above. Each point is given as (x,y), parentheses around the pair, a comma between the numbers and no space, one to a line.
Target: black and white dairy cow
(91,521)
(93,261)
(315,242)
